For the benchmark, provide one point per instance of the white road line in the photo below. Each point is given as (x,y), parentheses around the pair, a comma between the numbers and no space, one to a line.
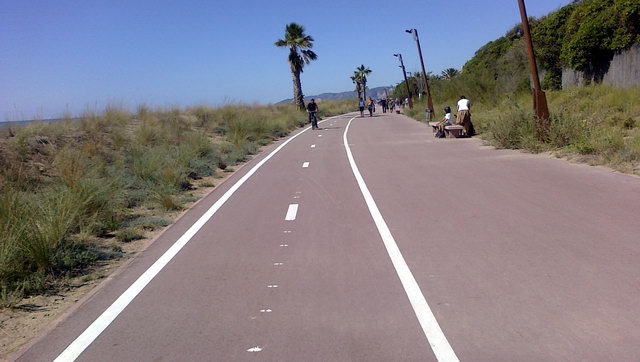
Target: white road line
(291,212)
(319,135)
(305,165)
(109,315)
(313,146)
(438,341)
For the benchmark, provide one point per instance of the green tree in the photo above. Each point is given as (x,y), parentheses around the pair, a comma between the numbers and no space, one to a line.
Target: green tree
(300,54)
(361,74)
(449,73)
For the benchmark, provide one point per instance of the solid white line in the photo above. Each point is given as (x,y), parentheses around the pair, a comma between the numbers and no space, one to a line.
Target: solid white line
(439,344)
(305,165)
(109,315)
(292,212)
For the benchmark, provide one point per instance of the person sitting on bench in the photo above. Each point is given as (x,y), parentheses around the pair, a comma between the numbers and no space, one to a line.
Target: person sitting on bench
(446,121)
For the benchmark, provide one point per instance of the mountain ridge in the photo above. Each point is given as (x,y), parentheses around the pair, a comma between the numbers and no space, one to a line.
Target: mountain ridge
(377,92)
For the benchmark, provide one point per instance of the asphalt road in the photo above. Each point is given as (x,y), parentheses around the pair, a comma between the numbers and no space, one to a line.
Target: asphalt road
(415,249)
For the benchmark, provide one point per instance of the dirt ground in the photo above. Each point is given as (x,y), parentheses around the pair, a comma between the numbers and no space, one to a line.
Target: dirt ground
(31,316)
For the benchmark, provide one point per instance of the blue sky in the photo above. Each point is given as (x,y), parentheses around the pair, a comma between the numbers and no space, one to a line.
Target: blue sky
(80,55)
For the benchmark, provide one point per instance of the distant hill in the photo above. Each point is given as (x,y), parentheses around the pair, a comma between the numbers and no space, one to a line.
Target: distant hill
(377,92)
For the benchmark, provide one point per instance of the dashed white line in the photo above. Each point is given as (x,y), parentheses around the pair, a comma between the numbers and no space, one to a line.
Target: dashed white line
(319,135)
(278,264)
(291,212)
(254,349)
(305,165)
(313,146)
(438,341)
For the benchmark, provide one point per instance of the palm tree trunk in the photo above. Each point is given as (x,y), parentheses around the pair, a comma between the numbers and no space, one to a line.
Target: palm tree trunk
(364,89)
(298,98)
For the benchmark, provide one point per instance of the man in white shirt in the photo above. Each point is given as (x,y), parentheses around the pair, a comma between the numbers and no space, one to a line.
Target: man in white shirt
(464,116)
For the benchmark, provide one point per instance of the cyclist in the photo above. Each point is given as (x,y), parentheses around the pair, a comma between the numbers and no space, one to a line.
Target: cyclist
(312,108)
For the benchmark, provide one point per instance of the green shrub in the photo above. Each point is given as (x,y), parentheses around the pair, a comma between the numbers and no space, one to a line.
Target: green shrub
(128,235)
(148,223)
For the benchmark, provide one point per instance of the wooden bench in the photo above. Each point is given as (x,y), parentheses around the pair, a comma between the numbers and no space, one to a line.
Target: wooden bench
(454,131)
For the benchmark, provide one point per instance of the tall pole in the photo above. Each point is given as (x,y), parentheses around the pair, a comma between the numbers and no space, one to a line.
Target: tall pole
(406,81)
(539,97)
(425,80)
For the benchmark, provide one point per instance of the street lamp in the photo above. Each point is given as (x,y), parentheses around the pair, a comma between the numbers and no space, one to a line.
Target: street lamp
(539,98)
(406,82)
(430,113)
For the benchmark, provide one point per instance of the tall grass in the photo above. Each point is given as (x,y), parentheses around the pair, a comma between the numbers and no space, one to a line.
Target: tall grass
(67,188)
(599,124)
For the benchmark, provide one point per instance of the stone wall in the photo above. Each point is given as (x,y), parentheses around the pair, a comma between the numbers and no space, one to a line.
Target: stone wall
(622,71)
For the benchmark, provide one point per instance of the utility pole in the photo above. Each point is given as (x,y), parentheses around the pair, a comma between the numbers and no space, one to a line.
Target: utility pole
(406,81)
(424,74)
(539,97)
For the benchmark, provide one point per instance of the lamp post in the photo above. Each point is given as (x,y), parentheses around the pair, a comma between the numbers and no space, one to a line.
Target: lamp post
(406,82)
(430,113)
(539,97)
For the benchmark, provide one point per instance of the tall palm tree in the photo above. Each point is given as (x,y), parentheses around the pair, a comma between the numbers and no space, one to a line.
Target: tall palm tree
(299,45)
(361,73)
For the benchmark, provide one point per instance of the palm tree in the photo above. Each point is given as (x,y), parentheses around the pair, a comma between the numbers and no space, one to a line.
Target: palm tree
(361,74)
(449,73)
(300,54)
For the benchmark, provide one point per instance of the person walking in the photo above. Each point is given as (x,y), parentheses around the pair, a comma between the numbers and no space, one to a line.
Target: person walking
(312,109)
(361,107)
(371,106)
(464,116)
(383,103)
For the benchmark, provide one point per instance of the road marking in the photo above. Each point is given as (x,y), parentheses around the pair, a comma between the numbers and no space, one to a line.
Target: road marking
(319,135)
(266,310)
(278,264)
(284,245)
(287,231)
(254,349)
(291,212)
(313,146)
(305,165)
(110,314)
(272,286)
(438,341)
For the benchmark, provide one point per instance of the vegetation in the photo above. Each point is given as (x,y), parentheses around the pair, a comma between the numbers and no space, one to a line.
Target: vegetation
(71,192)
(360,79)
(300,54)
(597,124)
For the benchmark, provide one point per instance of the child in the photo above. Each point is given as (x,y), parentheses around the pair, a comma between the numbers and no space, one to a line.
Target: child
(446,121)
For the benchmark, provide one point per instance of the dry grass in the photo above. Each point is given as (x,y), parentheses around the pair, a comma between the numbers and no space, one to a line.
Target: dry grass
(599,125)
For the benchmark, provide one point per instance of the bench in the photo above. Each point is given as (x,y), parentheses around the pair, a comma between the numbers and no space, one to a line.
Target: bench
(454,131)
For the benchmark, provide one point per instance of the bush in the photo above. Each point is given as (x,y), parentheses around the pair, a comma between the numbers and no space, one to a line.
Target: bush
(128,235)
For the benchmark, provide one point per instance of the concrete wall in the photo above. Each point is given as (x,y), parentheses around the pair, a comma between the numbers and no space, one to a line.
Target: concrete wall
(624,71)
